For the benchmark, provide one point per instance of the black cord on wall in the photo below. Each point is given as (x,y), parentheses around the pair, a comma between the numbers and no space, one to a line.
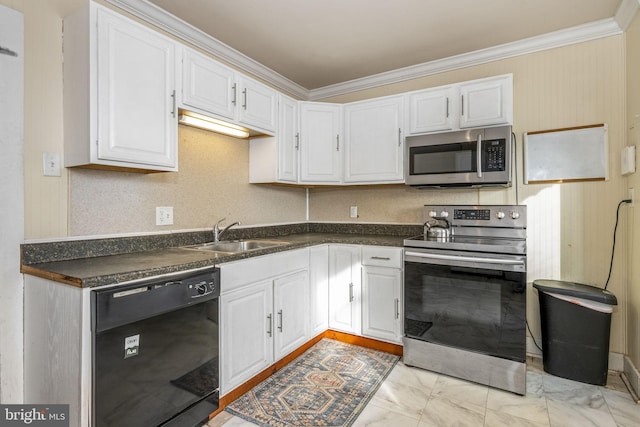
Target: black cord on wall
(613,249)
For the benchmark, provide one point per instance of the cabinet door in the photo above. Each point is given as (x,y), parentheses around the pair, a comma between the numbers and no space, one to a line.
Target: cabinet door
(208,85)
(136,93)
(381,303)
(318,289)
(433,110)
(290,302)
(320,143)
(486,102)
(247,328)
(288,140)
(373,141)
(344,288)
(258,104)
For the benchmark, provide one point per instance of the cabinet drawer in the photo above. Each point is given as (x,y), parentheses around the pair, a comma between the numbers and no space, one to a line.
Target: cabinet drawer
(382,256)
(237,274)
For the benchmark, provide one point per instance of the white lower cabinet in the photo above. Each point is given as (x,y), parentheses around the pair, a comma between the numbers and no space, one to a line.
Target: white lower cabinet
(318,289)
(344,288)
(263,313)
(271,305)
(290,301)
(247,330)
(382,303)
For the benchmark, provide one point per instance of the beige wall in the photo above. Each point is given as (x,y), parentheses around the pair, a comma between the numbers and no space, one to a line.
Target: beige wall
(570,225)
(46,198)
(633,138)
(213,182)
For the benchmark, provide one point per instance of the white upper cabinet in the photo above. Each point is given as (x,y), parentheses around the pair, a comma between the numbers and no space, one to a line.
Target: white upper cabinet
(288,140)
(275,159)
(486,102)
(321,143)
(433,110)
(476,103)
(119,97)
(211,88)
(373,141)
(208,85)
(258,104)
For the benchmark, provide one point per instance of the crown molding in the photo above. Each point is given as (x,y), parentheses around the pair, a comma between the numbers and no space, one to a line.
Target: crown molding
(578,34)
(625,13)
(160,18)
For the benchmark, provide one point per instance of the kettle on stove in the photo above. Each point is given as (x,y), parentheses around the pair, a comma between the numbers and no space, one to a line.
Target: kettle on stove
(437,228)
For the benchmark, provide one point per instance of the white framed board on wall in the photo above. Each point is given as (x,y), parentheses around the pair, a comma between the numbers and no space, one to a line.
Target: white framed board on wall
(566,155)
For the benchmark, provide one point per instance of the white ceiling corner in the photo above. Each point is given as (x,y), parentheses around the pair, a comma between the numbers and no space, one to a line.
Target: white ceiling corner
(626,12)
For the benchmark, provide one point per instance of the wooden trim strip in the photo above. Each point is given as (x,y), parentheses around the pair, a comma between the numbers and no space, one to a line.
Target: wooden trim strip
(237,392)
(561,181)
(538,132)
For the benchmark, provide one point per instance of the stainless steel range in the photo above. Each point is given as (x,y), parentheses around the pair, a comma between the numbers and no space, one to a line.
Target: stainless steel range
(465,294)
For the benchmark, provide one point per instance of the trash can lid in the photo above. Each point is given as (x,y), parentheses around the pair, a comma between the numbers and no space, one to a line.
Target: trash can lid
(576,290)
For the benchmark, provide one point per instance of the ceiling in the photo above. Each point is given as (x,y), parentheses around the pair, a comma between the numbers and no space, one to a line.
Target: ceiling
(318,43)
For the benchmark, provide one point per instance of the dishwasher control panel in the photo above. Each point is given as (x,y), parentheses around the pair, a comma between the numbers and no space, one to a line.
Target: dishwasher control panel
(204,285)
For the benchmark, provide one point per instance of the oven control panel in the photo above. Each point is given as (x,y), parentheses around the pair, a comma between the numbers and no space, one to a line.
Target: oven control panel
(472,214)
(512,216)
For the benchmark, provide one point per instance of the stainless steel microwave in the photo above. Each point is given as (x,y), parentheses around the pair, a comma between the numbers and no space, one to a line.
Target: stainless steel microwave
(467,158)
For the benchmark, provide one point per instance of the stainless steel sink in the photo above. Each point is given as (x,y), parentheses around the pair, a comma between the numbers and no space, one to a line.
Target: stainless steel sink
(237,246)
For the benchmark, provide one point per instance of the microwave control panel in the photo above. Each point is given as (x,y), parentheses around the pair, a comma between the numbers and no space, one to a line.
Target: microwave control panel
(494,155)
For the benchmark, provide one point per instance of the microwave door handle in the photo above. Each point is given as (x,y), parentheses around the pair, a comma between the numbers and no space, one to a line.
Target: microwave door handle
(479,156)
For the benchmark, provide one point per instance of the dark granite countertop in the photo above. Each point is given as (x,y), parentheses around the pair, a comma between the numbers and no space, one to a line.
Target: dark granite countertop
(104,269)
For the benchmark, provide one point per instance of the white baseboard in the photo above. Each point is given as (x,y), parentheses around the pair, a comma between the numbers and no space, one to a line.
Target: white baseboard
(632,375)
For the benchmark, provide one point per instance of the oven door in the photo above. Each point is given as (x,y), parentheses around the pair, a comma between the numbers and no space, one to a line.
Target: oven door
(467,300)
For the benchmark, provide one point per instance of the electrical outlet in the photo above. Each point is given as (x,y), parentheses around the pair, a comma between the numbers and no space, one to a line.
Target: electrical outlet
(630,196)
(164,215)
(353,212)
(51,164)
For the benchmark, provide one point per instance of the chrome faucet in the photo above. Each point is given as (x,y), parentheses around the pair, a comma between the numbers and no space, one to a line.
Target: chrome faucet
(217,233)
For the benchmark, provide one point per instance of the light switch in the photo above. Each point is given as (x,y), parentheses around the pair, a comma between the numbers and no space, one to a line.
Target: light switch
(51,164)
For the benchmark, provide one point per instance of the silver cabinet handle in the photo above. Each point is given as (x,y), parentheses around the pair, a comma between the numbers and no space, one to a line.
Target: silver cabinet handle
(297,140)
(399,137)
(270,330)
(479,156)
(383,258)
(447,106)
(233,88)
(350,292)
(173,101)
(280,324)
(244,93)
(338,142)
(397,302)
(462,106)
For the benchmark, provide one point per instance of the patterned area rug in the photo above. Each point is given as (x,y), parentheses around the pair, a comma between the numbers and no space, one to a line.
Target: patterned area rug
(328,385)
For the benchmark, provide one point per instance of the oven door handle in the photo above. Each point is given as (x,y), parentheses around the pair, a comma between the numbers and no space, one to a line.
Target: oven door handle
(465,258)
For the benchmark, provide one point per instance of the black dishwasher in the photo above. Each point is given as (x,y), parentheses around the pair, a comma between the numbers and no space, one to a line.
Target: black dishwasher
(155,351)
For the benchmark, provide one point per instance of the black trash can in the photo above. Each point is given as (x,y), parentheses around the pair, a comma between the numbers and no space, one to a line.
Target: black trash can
(576,324)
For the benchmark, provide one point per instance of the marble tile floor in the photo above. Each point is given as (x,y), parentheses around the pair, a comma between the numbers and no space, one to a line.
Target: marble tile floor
(412,397)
